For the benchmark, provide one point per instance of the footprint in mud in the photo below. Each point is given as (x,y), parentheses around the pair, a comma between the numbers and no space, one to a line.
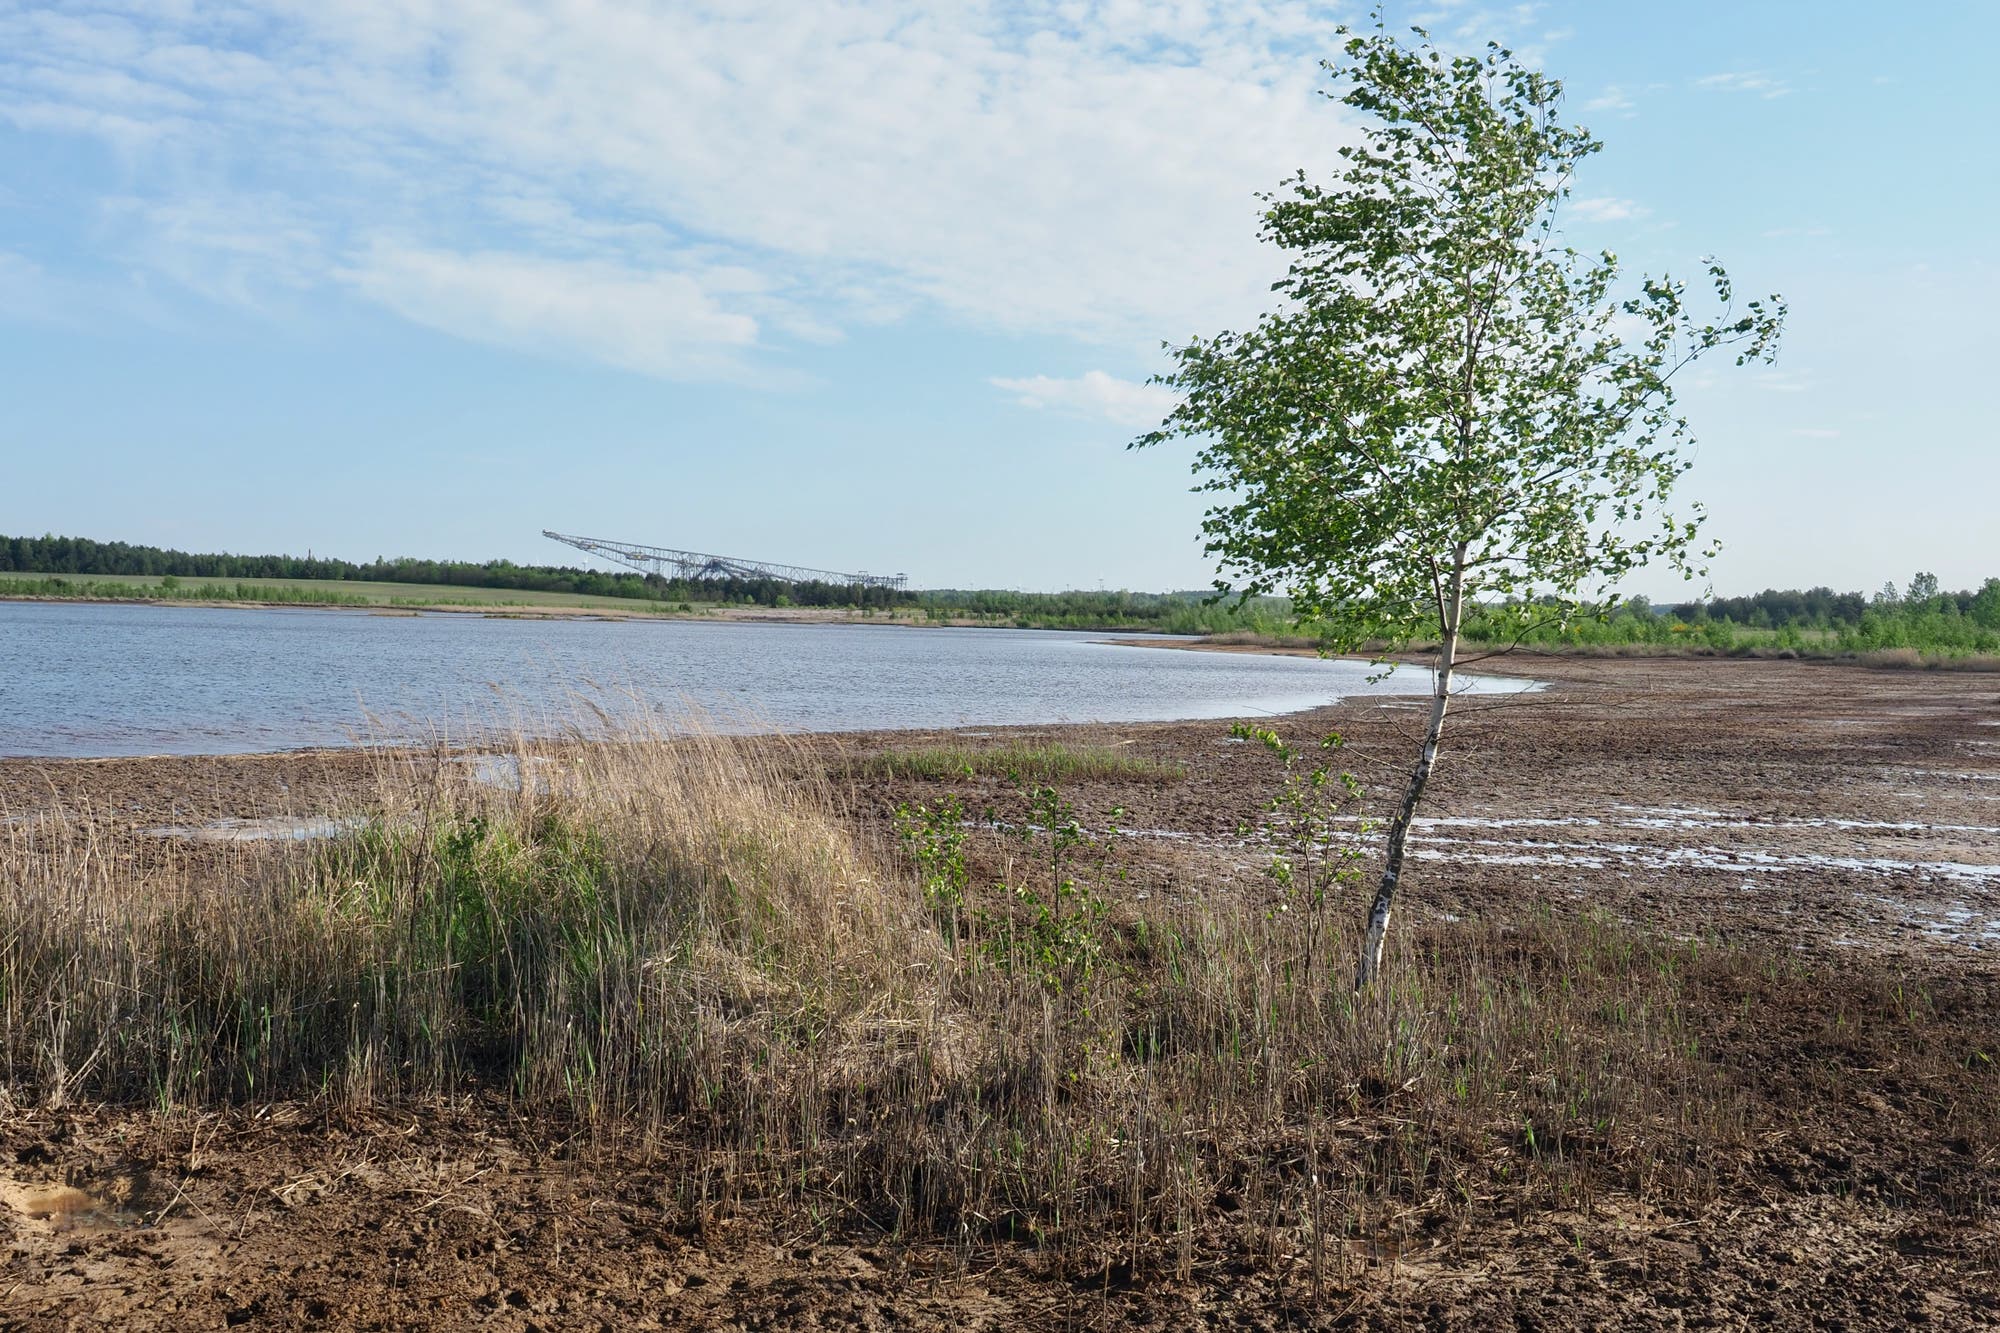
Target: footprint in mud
(56,1207)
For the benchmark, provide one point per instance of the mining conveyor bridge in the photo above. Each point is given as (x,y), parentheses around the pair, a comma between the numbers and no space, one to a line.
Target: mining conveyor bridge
(670,563)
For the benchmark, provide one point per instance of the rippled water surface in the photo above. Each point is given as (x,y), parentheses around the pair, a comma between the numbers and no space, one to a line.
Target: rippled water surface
(97,680)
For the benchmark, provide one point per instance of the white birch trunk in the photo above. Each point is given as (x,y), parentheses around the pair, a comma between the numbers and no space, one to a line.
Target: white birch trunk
(1399,830)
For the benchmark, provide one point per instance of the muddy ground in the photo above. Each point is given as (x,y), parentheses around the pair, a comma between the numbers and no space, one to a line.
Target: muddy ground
(1845,814)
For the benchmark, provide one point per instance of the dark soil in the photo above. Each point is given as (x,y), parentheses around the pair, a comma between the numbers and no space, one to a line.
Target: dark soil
(1840,823)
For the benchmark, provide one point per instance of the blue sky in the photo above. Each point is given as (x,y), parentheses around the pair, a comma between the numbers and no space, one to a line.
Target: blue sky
(878,285)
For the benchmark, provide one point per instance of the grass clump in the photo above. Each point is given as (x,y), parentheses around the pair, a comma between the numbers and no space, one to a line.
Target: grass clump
(613,936)
(1020,762)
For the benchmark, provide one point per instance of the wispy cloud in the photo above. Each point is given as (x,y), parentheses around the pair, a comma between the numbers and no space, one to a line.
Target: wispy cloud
(1469,26)
(1094,394)
(1606,209)
(1753,82)
(30,293)
(658,323)
(853,163)
(255,251)
(1816,432)
(1613,98)
(1782,381)
(1622,99)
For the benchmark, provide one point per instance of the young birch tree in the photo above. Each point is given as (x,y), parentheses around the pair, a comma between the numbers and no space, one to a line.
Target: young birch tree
(1449,409)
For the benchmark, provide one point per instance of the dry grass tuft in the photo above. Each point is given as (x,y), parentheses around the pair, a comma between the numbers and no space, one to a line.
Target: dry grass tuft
(1020,761)
(1909,659)
(611,931)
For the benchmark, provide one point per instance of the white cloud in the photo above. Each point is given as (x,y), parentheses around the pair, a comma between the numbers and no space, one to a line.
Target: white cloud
(127,133)
(1605,209)
(1782,381)
(1613,98)
(1437,13)
(24,284)
(31,294)
(1082,171)
(1744,81)
(254,251)
(658,323)
(1094,394)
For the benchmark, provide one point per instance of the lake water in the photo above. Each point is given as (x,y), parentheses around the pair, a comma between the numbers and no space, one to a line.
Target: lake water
(80,680)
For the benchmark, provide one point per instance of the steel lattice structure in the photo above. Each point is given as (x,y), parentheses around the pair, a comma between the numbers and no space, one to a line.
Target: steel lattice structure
(670,563)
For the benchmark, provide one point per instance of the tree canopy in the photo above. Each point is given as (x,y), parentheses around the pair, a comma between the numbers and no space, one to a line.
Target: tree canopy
(1450,409)
(1449,401)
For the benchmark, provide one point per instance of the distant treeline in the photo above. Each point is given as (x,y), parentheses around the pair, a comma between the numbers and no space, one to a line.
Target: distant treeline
(1160,612)
(1178,613)
(1818,621)
(1921,615)
(81,555)
(1825,609)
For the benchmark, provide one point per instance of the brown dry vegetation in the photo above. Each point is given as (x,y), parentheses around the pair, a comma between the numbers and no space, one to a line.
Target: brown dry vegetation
(668,1032)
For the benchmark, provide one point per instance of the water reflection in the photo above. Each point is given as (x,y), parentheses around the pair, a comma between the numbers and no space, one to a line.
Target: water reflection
(98,680)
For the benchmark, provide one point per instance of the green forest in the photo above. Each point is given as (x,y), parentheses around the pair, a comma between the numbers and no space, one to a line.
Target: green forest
(1817,622)
(1921,615)
(81,555)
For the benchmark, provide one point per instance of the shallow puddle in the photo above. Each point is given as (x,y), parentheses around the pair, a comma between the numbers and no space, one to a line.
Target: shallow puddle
(1959,774)
(277,828)
(1429,842)
(506,770)
(1700,820)
(1748,860)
